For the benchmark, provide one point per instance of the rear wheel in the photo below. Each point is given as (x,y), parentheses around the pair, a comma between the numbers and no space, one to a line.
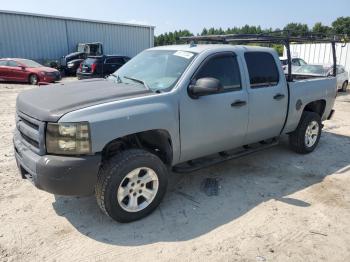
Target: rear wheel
(344,86)
(131,185)
(33,79)
(307,135)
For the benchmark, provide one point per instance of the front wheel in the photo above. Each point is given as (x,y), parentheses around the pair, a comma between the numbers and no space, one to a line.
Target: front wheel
(131,185)
(344,86)
(307,135)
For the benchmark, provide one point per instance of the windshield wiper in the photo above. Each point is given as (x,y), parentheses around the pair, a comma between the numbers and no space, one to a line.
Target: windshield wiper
(116,77)
(138,81)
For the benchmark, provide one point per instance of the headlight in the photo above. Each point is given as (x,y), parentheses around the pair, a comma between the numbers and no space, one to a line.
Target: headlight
(70,65)
(68,138)
(43,73)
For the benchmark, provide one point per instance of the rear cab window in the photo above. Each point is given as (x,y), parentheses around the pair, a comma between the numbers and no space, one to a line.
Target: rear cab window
(91,60)
(115,60)
(262,69)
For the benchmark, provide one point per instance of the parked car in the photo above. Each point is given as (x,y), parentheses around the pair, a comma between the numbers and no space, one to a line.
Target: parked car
(28,71)
(70,63)
(176,108)
(296,63)
(100,66)
(326,70)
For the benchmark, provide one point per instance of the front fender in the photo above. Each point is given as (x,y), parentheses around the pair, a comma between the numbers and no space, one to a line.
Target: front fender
(113,120)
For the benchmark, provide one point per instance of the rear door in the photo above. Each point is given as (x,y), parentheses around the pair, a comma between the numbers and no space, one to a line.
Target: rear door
(215,122)
(268,96)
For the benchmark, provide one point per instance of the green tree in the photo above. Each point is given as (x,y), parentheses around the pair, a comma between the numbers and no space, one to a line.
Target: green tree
(297,29)
(319,28)
(342,25)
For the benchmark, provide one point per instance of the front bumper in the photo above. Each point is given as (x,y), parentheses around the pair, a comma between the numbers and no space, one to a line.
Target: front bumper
(50,78)
(60,175)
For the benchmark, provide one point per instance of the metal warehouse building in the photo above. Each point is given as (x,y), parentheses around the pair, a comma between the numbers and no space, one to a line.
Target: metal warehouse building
(42,37)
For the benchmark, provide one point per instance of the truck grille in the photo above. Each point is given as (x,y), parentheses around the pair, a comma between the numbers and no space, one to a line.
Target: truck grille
(32,132)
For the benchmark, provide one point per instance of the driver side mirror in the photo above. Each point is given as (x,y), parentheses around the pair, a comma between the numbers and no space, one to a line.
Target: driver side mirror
(23,68)
(205,86)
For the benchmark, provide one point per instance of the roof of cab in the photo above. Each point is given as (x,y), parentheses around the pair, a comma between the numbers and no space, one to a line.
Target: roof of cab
(199,48)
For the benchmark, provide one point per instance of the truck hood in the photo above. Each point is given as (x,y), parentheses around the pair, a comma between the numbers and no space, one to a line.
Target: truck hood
(50,103)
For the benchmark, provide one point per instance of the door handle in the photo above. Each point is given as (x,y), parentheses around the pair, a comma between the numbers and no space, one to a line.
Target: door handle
(278,97)
(238,103)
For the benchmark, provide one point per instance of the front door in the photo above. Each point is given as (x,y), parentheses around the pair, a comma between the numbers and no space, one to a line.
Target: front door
(216,122)
(268,96)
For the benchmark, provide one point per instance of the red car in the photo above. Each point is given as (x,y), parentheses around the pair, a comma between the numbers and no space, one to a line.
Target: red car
(28,71)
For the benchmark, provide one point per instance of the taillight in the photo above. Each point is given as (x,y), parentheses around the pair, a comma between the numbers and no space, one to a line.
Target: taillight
(93,67)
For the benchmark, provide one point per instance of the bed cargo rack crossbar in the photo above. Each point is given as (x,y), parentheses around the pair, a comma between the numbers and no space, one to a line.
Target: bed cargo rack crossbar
(283,37)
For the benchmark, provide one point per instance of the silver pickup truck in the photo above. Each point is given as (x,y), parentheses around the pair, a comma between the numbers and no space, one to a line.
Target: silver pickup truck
(169,108)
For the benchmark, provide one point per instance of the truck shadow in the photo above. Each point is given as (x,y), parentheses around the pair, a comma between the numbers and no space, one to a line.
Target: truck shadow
(187,212)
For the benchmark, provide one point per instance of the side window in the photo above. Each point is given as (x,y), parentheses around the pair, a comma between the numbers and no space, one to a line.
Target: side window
(12,63)
(340,70)
(3,62)
(115,60)
(302,62)
(295,62)
(224,68)
(262,69)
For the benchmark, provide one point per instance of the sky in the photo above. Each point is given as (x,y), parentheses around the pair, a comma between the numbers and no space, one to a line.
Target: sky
(193,15)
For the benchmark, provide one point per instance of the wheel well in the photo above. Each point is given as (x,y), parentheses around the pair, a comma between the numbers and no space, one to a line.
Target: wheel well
(316,107)
(156,141)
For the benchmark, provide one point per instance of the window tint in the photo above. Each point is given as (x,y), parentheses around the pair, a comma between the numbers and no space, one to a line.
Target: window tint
(115,60)
(224,68)
(12,63)
(302,62)
(262,69)
(295,62)
(3,62)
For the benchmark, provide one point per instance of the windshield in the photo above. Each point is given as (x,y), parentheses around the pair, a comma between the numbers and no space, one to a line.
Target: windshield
(312,69)
(29,63)
(157,69)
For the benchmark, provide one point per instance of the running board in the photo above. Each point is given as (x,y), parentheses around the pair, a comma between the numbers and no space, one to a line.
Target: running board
(194,165)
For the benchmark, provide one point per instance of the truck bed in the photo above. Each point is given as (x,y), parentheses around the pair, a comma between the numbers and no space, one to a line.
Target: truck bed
(306,91)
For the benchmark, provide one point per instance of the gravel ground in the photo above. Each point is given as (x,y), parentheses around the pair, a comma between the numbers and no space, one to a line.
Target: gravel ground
(271,206)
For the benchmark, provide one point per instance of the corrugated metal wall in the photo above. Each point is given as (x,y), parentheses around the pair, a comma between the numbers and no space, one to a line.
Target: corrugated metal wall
(321,53)
(42,37)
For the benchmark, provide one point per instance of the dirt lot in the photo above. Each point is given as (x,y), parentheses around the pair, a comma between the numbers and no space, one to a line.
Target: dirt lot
(272,206)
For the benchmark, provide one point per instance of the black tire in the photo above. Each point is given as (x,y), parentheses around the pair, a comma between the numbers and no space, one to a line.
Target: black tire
(112,174)
(344,86)
(297,138)
(33,79)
